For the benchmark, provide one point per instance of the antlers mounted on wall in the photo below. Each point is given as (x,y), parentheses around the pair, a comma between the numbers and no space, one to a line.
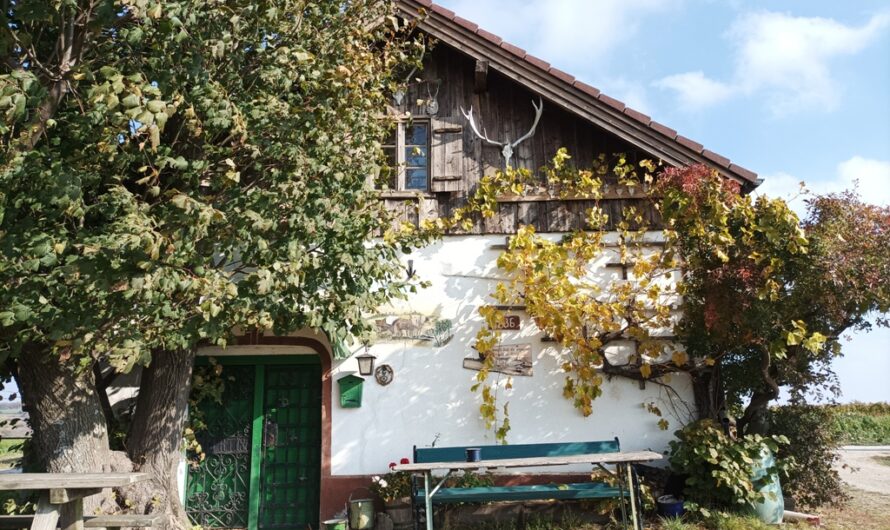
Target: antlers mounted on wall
(506,146)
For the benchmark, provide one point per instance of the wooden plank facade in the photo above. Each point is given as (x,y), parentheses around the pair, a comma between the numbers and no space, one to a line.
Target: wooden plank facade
(458,158)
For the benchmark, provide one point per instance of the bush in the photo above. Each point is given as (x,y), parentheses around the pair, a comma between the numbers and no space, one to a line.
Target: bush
(862,423)
(813,446)
(718,469)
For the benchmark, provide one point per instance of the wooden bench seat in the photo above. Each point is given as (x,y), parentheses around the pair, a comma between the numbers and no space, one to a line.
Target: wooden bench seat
(91,521)
(492,453)
(571,491)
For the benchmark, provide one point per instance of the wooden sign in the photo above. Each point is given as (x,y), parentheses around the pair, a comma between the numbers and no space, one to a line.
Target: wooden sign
(510,359)
(509,323)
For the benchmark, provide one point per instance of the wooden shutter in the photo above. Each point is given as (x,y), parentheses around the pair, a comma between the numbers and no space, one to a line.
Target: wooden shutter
(447,154)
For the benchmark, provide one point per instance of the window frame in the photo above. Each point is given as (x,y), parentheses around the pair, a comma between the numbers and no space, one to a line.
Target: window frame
(401,168)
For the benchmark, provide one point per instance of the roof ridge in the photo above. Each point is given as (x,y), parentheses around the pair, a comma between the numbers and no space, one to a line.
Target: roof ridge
(593,92)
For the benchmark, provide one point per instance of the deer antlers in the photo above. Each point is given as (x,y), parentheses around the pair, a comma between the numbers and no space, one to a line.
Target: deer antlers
(506,146)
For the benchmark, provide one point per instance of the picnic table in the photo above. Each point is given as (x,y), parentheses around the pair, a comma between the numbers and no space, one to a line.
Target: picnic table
(61,500)
(622,461)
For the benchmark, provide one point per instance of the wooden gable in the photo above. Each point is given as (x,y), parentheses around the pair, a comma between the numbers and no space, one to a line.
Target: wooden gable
(470,68)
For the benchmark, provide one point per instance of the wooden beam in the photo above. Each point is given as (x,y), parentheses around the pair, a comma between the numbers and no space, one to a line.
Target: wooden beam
(63,495)
(481,76)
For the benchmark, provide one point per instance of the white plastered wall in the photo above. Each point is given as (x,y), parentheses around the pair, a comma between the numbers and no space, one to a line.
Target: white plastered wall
(430,400)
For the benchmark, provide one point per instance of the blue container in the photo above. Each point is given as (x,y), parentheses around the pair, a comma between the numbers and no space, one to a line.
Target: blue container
(474,454)
(670,506)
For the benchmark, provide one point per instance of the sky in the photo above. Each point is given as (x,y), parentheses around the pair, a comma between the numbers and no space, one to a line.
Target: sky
(793,90)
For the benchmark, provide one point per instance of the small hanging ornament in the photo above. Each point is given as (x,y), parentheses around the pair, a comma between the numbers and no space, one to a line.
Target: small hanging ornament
(432,104)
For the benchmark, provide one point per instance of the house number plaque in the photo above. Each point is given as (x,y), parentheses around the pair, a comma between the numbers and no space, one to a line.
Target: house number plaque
(510,323)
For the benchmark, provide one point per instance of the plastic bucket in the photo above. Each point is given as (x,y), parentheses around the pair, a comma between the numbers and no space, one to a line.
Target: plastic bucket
(334,524)
(361,514)
(670,506)
(772,508)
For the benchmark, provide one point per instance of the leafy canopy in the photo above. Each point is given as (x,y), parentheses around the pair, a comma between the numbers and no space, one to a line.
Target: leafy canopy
(173,171)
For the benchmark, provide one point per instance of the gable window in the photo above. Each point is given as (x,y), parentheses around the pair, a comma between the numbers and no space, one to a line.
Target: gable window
(407,150)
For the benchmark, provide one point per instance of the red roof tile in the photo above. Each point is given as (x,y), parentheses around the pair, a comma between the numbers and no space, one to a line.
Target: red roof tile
(587,89)
(466,23)
(447,13)
(559,74)
(663,129)
(540,63)
(489,36)
(747,173)
(515,50)
(612,102)
(637,115)
(714,157)
(695,146)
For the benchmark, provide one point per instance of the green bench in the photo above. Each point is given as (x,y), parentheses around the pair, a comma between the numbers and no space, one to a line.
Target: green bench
(567,491)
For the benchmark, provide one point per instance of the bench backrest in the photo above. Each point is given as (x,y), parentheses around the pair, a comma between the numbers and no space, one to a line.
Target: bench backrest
(501,452)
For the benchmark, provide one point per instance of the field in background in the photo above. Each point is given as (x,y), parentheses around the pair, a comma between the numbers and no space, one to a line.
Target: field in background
(862,423)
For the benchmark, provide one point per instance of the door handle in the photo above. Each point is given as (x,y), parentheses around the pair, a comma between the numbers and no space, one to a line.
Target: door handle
(270,433)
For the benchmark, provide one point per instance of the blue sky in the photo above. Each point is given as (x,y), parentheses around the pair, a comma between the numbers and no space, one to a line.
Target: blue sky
(793,90)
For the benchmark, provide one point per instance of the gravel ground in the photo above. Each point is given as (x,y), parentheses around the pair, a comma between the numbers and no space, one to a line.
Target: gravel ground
(861,469)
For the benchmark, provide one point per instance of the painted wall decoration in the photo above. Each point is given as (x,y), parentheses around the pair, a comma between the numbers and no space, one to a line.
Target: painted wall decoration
(427,330)
(510,359)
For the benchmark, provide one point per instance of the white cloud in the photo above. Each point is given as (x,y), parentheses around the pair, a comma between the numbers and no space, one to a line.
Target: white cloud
(785,58)
(576,34)
(869,176)
(694,90)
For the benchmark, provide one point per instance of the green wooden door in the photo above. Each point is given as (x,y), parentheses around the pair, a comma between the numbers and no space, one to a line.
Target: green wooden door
(291,461)
(262,443)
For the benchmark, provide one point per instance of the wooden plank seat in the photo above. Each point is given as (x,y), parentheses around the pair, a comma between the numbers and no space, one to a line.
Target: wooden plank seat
(91,521)
(492,453)
(571,491)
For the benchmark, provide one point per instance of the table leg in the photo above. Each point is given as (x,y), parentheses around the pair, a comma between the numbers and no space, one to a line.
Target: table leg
(620,476)
(428,499)
(633,497)
(47,515)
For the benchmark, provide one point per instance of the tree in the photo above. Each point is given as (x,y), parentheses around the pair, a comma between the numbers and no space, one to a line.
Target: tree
(735,292)
(172,172)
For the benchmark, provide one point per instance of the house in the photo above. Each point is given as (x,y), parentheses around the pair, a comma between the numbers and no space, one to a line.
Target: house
(301,433)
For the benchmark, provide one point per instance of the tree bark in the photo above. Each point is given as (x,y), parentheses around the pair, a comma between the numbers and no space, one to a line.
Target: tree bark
(708,391)
(154,443)
(69,430)
(753,421)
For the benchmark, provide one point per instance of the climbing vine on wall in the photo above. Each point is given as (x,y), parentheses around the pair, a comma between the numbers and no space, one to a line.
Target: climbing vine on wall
(630,323)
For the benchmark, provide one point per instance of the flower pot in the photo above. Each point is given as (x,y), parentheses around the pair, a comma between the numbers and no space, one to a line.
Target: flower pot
(399,510)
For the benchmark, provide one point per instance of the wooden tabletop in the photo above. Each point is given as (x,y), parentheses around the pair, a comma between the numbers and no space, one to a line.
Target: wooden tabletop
(46,481)
(592,458)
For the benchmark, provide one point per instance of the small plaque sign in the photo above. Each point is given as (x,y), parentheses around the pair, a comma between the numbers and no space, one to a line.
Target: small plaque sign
(510,323)
(510,359)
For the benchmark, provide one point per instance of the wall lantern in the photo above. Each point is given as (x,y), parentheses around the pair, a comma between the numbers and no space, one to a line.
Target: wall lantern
(365,363)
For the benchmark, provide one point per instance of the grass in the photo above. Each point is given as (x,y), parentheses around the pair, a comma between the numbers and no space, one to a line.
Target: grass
(862,423)
(10,452)
(883,460)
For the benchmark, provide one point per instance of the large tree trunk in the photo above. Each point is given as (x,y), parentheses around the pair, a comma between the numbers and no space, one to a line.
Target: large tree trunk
(707,388)
(754,420)
(155,440)
(69,430)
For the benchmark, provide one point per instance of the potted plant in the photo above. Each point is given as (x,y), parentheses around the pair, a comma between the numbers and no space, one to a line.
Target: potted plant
(394,488)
